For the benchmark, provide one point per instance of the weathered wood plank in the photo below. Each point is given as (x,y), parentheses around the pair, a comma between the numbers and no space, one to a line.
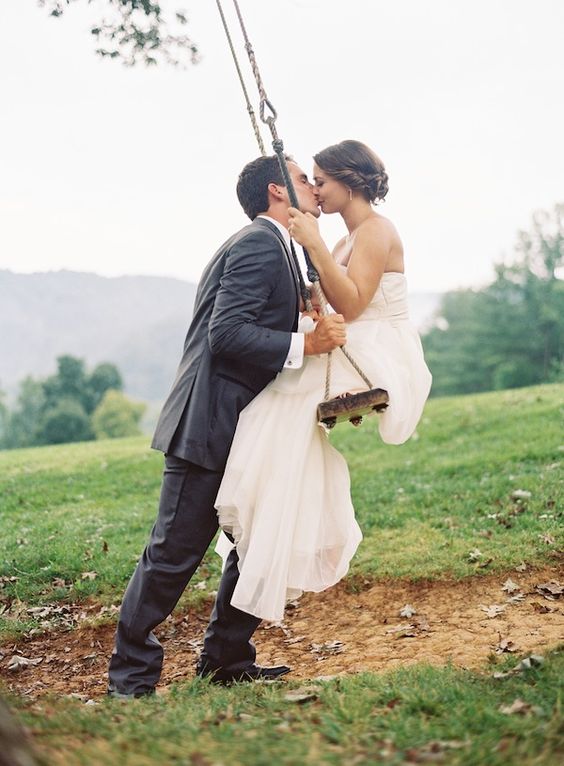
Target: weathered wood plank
(352,406)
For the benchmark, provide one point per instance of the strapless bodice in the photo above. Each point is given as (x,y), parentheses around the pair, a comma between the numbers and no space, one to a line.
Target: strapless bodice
(389,301)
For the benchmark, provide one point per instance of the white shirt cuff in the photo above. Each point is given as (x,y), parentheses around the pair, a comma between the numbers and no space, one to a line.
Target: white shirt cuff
(295,357)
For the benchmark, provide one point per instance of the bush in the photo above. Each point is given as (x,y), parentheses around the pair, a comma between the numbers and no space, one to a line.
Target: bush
(66,422)
(116,416)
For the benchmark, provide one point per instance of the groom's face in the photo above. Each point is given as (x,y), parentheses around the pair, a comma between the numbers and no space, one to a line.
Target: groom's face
(304,190)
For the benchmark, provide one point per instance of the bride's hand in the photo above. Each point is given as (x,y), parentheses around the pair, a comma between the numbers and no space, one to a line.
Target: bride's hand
(303,227)
(314,315)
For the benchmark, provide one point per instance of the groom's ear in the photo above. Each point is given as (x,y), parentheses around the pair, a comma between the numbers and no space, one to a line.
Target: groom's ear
(277,191)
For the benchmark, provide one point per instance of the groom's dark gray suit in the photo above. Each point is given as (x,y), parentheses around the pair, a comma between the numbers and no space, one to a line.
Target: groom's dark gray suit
(246,306)
(245,310)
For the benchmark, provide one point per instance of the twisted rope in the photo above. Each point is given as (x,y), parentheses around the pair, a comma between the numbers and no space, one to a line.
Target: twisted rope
(278,147)
(250,109)
(269,120)
(323,305)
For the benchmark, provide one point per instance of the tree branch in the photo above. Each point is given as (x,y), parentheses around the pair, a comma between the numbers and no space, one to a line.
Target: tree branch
(138,31)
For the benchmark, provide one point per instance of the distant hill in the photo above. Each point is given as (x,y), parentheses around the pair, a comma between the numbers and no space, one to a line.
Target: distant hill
(137,322)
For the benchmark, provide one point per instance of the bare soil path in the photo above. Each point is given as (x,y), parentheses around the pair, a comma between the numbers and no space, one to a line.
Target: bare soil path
(464,622)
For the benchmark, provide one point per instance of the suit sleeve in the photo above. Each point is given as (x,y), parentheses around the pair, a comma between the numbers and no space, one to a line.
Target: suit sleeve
(252,272)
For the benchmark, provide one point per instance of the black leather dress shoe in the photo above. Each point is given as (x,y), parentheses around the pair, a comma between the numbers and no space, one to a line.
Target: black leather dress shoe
(115,694)
(251,673)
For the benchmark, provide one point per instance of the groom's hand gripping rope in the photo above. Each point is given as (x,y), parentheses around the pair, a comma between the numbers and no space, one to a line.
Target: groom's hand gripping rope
(329,334)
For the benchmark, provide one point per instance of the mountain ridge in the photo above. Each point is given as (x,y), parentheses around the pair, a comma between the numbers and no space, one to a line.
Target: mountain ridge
(137,322)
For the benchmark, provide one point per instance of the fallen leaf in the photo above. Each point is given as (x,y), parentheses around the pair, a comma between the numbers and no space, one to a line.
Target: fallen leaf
(89,575)
(519,707)
(422,623)
(550,590)
(433,751)
(18,662)
(548,539)
(331,647)
(200,585)
(279,624)
(77,696)
(474,555)
(522,567)
(540,608)
(408,629)
(505,645)
(507,674)
(494,610)
(407,611)
(300,696)
(520,494)
(516,599)
(412,629)
(532,661)
(294,640)
(37,612)
(509,586)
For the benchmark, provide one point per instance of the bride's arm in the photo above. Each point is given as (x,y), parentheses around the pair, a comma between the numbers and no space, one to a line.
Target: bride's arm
(349,293)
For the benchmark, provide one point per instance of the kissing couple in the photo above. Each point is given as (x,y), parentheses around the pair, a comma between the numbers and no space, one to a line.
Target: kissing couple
(243,448)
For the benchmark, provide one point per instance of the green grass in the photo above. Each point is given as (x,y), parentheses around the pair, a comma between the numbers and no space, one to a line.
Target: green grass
(404,716)
(423,507)
(69,510)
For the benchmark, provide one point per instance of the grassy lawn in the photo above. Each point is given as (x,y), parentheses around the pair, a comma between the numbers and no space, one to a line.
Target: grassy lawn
(75,517)
(478,490)
(414,715)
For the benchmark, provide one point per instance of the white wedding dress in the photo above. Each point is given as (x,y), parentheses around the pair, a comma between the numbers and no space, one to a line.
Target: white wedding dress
(285,495)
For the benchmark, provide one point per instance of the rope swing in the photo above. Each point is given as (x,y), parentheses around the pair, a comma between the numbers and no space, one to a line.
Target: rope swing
(350,407)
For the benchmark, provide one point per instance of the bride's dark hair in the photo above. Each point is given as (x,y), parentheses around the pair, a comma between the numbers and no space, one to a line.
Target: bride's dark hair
(358,167)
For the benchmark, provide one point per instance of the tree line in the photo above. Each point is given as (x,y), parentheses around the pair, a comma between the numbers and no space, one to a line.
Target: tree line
(511,333)
(507,335)
(71,405)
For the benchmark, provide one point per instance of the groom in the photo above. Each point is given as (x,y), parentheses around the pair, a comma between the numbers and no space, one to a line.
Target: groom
(243,332)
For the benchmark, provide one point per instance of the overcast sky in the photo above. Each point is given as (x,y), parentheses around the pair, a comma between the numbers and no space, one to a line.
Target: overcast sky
(132,171)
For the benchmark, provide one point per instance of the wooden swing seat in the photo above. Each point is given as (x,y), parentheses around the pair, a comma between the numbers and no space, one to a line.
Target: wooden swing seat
(352,407)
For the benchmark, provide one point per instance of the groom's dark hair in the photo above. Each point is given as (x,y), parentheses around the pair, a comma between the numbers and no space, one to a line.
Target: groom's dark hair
(252,186)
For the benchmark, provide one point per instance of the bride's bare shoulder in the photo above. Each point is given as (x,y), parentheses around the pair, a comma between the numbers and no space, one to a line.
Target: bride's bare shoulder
(380,229)
(378,224)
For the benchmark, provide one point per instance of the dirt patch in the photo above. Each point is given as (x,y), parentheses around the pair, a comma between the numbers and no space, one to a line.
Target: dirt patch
(463,622)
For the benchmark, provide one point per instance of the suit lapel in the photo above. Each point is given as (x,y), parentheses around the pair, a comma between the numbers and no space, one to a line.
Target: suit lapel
(289,256)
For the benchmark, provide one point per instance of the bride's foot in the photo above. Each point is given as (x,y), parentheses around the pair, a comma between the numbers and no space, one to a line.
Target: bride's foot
(345,394)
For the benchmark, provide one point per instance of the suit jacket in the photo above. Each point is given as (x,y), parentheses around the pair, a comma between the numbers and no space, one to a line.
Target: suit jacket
(245,310)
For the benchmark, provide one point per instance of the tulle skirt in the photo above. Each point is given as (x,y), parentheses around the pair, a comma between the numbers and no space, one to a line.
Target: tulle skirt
(285,495)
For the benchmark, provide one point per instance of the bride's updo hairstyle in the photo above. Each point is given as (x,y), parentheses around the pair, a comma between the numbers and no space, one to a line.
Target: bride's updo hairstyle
(358,167)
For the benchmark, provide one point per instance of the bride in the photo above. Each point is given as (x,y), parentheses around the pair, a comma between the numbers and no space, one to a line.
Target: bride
(285,495)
